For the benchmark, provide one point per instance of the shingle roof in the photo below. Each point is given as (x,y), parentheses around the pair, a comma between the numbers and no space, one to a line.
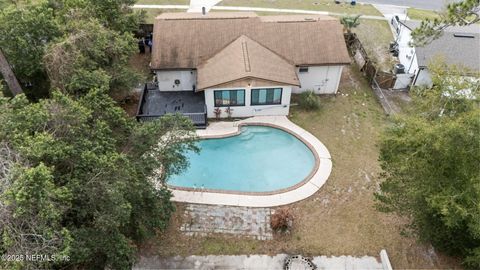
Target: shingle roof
(458,45)
(186,40)
(245,58)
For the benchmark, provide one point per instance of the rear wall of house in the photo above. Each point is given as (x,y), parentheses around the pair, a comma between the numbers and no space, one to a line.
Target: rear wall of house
(176,80)
(249,110)
(320,79)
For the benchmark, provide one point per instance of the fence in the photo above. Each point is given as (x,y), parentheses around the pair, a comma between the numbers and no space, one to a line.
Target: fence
(366,65)
(378,79)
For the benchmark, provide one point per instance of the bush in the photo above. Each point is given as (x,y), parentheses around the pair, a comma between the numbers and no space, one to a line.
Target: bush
(281,220)
(309,101)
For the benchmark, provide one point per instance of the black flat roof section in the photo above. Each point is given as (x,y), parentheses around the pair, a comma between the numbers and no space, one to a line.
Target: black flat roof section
(155,103)
(160,103)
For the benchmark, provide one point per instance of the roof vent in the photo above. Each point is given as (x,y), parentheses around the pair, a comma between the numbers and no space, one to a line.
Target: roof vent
(463,35)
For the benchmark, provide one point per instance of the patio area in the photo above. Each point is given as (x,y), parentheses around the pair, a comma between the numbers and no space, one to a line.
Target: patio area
(155,103)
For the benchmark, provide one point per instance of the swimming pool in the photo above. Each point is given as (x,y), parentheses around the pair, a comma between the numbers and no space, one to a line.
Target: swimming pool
(259,159)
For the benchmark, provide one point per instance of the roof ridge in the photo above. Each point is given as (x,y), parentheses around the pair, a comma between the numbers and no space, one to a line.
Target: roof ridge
(246,57)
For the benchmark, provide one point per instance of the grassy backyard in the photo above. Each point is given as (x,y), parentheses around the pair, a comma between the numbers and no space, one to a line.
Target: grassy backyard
(321,5)
(340,219)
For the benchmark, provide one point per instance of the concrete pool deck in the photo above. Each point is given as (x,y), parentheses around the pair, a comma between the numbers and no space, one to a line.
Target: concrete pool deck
(308,188)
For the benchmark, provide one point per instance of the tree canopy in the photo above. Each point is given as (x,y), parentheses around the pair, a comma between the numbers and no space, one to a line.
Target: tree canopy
(91,39)
(82,175)
(458,13)
(80,181)
(430,158)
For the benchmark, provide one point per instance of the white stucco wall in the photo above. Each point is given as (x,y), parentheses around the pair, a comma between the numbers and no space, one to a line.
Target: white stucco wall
(408,58)
(166,80)
(320,79)
(406,54)
(403,81)
(249,110)
(423,78)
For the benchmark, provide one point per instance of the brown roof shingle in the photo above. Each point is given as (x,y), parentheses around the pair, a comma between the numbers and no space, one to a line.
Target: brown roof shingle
(185,41)
(245,58)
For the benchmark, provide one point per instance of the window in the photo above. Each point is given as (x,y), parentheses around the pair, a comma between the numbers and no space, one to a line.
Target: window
(225,98)
(303,69)
(266,96)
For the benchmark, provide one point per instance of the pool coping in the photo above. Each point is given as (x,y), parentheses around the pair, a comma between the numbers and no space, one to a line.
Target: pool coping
(302,190)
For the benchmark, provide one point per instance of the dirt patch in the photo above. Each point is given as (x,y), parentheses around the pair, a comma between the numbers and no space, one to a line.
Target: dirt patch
(140,63)
(340,219)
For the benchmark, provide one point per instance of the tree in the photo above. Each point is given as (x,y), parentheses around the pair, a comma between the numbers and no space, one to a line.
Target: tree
(24,35)
(86,180)
(91,39)
(430,159)
(90,56)
(462,13)
(350,22)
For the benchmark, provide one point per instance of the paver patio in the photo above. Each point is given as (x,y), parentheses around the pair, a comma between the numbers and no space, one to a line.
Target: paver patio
(204,220)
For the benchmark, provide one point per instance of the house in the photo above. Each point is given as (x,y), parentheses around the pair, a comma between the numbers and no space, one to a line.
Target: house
(241,64)
(458,46)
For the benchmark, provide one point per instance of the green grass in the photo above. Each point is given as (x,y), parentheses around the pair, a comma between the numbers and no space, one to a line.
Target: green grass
(319,5)
(163,2)
(151,13)
(420,14)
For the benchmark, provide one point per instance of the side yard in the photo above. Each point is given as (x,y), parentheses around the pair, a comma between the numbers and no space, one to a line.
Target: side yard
(376,36)
(340,219)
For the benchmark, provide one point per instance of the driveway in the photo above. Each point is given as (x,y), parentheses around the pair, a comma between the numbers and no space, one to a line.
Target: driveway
(196,5)
(423,4)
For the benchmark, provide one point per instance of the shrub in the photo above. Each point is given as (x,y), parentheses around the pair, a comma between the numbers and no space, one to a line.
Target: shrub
(217,112)
(229,112)
(309,101)
(281,220)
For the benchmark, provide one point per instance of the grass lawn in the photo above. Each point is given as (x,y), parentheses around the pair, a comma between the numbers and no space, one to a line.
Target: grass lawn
(151,13)
(340,219)
(321,5)
(375,36)
(163,2)
(420,14)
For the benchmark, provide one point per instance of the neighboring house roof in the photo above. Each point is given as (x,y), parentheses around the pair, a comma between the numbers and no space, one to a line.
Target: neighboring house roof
(459,45)
(245,58)
(184,40)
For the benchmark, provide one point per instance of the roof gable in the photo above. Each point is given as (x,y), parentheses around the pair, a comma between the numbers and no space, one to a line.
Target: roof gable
(245,58)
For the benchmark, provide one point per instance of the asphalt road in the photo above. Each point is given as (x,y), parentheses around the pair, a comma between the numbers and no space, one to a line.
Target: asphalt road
(423,4)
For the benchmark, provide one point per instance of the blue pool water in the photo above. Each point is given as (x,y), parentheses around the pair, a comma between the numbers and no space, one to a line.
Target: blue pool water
(259,159)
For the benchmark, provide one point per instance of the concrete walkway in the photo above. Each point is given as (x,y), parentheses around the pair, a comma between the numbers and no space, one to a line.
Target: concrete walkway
(244,262)
(276,10)
(389,11)
(422,4)
(196,5)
